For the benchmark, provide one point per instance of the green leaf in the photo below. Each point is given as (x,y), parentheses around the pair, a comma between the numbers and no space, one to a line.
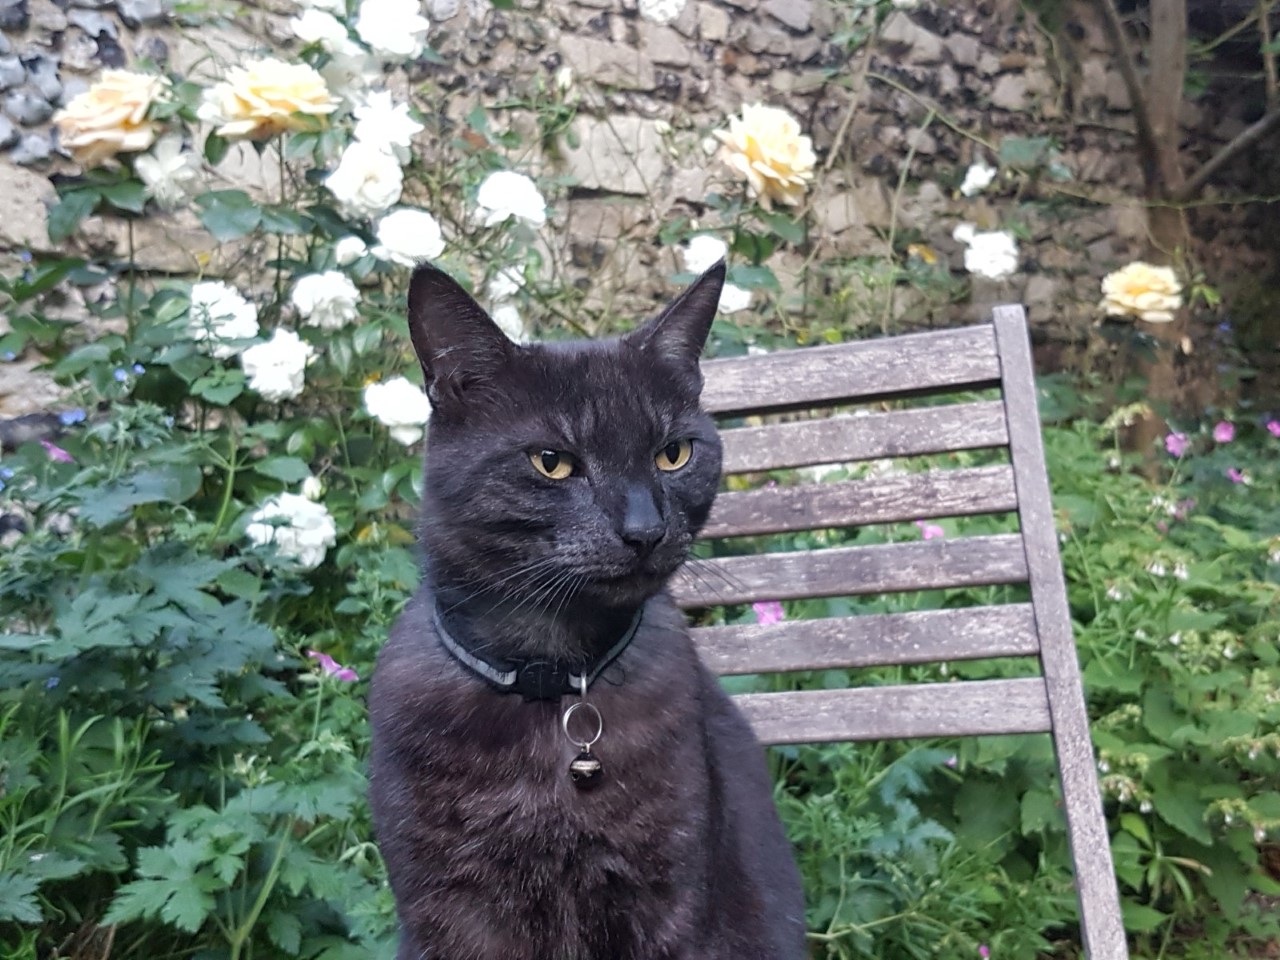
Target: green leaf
(285,931)
(215,148)
(1139,918)
(789,230)
(69,212)
(1177,801)
(228,214)
(366,338)
(753,277)
(1025,153)
(284,220)
(46,276)
(240,583)
(284,469)
(127,195)
(187,907)
(220,387)
(171,483)
(18,898)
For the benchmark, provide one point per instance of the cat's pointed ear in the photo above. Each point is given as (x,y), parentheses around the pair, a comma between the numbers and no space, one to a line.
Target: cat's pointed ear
(459,346)
(678,334)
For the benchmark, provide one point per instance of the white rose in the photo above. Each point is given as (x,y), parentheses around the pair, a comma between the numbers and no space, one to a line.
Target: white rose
(407,236)
(702,252)
(349,71)
(167,172)
(326,300)
(733,298)
(1143,291)
(977,178)
(505,284)
(313,488)
(661,11)
(277,368)
(348,250)
(394,29)
(993,254)
(400,406)
(505,194)
(218,316)
(111,117)
(507,318)
(299,529)
(366,182)
(386,125)
(317,26)
(265,98)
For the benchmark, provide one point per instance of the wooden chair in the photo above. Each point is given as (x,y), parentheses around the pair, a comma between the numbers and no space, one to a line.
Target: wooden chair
(995,355)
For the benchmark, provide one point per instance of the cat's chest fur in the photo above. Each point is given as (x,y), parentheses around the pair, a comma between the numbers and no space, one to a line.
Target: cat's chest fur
(510,858)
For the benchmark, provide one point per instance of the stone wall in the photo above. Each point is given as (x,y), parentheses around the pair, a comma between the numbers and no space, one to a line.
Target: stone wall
(896,120)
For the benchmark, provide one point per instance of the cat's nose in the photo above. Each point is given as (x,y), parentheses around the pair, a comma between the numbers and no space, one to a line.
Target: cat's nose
(642,523)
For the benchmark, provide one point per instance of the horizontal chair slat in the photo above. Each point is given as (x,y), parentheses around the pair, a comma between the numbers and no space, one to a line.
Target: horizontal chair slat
(926,636)
(912,496)
(841,439)
(851,571)
(964,357)
(971,708)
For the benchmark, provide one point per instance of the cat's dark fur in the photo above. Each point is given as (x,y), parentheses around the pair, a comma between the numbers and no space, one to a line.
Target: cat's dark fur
(493,853)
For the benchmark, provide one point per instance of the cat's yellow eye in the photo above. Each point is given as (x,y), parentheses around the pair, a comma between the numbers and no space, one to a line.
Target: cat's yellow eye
(674,455)
(552,464)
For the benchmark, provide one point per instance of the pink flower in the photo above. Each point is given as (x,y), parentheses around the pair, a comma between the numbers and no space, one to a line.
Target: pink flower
(952,762)
(1224,432)
(1176,444)
(769,612)
(1184,508)
(930,530)
(332,668)
(1235,475)
(56,452)
(1274,427)
(984,951)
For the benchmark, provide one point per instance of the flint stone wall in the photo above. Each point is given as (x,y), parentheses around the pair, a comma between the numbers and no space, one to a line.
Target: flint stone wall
(941,86)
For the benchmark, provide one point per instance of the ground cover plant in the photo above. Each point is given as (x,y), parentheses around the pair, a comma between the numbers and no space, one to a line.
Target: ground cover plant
(201,562)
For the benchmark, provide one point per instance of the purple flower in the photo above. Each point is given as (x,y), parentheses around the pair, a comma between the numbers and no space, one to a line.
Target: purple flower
(984,951)
(8,355)
(769,612)
(930,530)
(1183,508)
(1176,444)
(1224,432)
(57,453)
(52,682)
(1235,475)
(139,369)
(1274,427)
(332,668)
(952,762)
(68,417)
(121,375)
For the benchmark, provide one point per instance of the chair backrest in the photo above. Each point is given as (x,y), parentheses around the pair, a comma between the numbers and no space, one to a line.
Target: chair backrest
(807,386)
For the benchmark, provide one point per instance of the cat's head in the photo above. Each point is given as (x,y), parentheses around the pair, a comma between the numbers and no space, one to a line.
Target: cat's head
(563,470)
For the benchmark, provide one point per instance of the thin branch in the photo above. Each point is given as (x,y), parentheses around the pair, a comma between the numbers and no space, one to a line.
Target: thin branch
(1147,149)
(1247,138)
(1268,53)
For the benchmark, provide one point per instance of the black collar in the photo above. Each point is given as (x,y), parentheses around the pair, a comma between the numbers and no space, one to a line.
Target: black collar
(536,678)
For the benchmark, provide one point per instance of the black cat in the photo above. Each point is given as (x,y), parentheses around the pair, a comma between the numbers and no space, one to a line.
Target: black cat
(565,483)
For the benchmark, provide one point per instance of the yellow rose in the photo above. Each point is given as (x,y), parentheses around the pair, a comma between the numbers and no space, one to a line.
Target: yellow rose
(265,98)
(1143,291)
(111,117)
(766,147)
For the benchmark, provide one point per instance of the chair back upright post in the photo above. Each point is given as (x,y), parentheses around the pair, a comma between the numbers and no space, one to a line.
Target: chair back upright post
(1102,928)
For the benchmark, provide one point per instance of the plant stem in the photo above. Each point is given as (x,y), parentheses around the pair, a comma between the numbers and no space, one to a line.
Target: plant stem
(131,306)
(241,934)
(225,507)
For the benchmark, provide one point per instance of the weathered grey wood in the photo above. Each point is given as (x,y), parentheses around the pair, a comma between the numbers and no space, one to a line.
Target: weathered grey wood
(866,369)
(814,506)
(852,571)
(878,713)
(924,636)
(1100,921)
(843,439)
